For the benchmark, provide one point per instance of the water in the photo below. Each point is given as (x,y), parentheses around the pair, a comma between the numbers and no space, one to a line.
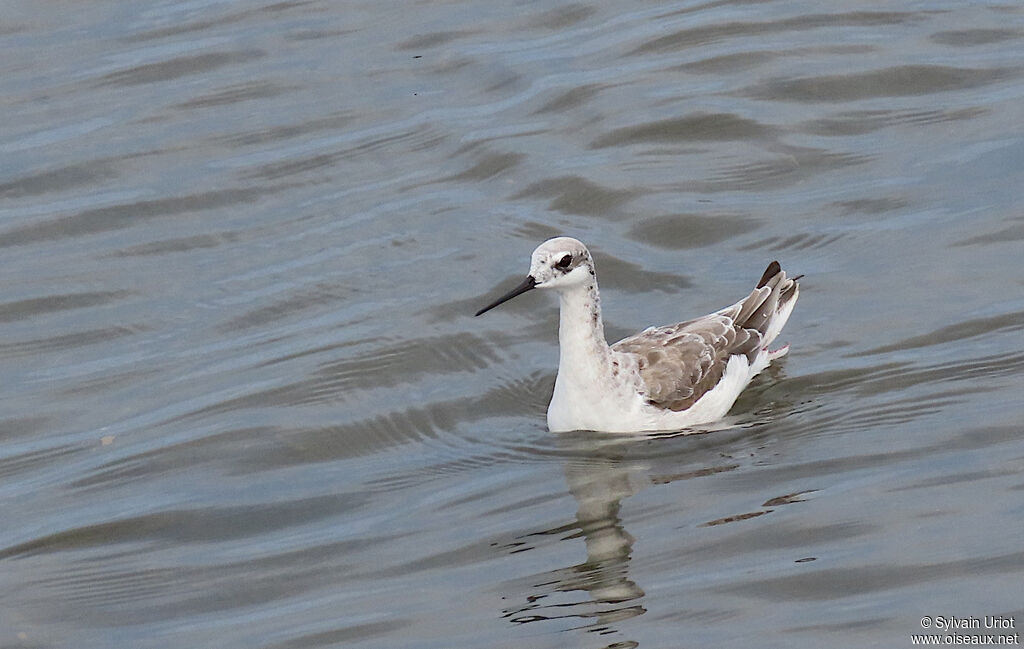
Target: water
(246,405)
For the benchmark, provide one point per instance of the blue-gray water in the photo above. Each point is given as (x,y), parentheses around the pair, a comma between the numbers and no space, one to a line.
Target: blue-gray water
(245,403)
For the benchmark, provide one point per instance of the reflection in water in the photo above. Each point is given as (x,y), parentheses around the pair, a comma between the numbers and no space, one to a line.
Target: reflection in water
(601,471)
(598,482)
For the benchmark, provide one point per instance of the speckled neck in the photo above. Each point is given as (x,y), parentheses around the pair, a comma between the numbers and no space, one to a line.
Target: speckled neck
(583,349)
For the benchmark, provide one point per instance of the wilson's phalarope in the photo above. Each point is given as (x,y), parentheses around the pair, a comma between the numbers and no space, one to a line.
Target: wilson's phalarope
(663,378)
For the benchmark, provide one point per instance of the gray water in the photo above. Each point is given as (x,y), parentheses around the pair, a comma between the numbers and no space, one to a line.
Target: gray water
(245,403)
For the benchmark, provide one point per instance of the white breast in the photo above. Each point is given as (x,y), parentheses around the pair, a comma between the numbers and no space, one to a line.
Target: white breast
(618,407)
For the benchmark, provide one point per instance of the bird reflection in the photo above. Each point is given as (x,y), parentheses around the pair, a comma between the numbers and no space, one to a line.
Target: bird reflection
(598,481)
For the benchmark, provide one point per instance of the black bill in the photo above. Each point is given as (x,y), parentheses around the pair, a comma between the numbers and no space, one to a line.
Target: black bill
(523,287)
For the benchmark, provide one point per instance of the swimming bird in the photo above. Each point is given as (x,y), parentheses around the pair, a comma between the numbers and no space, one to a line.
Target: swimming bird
(663,378)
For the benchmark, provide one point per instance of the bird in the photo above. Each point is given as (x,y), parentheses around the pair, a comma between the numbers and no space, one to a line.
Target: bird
(664,378)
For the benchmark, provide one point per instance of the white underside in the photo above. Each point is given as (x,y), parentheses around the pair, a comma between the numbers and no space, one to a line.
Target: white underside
(621,409)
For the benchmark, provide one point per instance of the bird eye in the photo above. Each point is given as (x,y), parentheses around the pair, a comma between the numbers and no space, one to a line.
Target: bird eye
(564,262)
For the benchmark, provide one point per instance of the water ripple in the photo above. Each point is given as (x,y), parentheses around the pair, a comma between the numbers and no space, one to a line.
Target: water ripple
(897,81)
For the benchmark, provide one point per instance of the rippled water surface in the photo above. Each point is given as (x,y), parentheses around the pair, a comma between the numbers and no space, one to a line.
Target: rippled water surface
(245,403)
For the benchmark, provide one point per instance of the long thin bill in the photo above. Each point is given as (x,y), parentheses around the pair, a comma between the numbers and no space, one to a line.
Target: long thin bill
(523,287)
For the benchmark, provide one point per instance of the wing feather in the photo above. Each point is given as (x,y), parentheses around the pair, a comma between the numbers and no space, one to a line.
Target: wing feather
(679,363)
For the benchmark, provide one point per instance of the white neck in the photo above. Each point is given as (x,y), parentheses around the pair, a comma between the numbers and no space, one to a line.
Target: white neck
(583,350)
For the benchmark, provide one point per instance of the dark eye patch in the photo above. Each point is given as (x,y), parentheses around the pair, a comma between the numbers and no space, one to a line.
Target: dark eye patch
(564,262)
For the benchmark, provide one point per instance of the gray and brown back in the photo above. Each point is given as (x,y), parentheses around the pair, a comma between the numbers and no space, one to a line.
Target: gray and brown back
(680,363)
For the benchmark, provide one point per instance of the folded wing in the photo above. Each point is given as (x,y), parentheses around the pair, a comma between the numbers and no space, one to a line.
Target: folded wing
(680,363)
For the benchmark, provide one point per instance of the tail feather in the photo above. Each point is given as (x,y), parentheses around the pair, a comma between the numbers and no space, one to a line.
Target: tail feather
(770,304)
(787,300)
(773,269)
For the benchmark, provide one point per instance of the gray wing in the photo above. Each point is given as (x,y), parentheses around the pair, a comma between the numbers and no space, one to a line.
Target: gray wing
(679,363)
